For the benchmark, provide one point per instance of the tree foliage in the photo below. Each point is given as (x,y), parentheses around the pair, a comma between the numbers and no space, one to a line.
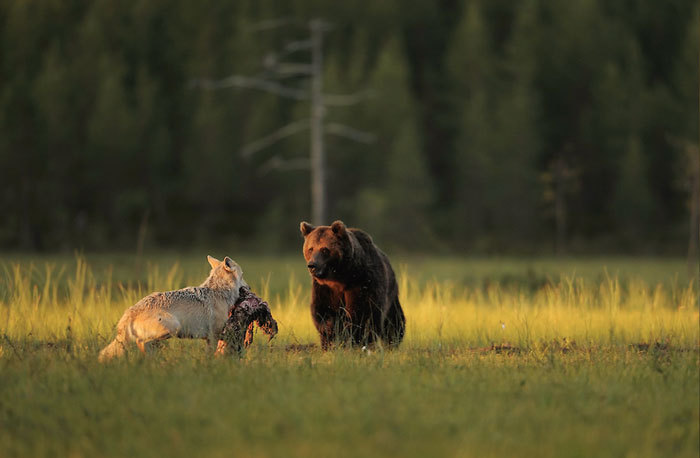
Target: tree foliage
(472,103)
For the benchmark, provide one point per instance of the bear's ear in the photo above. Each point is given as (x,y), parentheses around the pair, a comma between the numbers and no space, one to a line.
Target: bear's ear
(306,228)
(338,228)
(213,262)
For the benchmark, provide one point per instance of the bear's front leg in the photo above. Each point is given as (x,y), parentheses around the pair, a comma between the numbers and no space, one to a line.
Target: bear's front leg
(326,310)
(326,327)
(364,311)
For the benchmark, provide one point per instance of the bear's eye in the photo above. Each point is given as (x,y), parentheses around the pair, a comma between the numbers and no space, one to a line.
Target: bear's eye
(325,251)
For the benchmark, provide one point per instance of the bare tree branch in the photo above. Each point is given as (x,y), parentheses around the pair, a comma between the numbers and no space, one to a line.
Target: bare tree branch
(252,83)
(298,45)
(321,25)
(342,100)
(264,142)
(285,69)
(278,163)
(272,58)
(342,130)
(270,24)
(272,75)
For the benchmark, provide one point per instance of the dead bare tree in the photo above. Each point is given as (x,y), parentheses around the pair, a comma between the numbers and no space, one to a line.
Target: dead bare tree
(318,102)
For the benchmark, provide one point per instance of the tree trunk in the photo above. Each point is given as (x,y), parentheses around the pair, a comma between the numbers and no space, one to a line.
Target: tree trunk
(318,158)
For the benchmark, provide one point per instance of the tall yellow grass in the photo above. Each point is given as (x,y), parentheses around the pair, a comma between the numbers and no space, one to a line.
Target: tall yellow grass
(47,303)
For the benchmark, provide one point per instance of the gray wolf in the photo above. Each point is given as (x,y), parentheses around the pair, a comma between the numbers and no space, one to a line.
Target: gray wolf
(194,312)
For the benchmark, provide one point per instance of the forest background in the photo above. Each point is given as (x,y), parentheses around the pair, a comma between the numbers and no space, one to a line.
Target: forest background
(536,126)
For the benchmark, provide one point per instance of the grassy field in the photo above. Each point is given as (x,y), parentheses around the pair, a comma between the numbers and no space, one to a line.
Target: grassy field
(503,357)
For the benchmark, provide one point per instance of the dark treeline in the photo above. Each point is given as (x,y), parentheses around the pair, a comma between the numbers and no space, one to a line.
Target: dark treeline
(499,125)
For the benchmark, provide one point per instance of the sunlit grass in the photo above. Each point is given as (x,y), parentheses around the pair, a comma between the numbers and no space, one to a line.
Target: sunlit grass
(49,302)
(512,358)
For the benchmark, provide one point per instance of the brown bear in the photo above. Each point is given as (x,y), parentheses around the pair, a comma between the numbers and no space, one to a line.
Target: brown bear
(354,292)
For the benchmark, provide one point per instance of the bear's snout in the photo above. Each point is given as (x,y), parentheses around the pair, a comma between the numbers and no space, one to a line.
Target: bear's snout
(317,270)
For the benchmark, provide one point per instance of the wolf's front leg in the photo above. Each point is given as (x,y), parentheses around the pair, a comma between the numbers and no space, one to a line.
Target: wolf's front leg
(211,341)
(213,338)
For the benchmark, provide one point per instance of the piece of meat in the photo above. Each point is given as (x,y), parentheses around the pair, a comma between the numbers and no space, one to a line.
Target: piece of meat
(239,330)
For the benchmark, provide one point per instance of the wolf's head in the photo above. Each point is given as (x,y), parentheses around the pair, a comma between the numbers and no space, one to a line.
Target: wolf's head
(225,275)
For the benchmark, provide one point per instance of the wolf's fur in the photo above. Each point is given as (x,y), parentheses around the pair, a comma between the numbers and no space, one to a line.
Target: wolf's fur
(192,312)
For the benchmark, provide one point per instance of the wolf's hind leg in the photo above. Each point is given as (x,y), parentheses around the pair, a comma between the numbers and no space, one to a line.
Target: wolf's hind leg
(154,326)
(152,345)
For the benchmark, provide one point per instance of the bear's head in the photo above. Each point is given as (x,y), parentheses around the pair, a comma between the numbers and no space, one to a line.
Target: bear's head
(325,249)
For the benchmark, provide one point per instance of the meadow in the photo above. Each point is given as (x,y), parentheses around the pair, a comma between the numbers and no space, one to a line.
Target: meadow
(502,357)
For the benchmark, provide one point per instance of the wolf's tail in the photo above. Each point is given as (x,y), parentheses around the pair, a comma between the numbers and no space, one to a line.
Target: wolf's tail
(116,347)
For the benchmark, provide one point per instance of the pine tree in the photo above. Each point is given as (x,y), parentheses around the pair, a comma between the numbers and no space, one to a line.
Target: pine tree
(409,193)
(632,202)
(403,190)
(516,145)
(113,158)
(472,76)
(685,143)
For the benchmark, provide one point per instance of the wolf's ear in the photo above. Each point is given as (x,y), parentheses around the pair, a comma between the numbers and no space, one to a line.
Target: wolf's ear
(229,264)
(213,262)
(338,228)
(306,228)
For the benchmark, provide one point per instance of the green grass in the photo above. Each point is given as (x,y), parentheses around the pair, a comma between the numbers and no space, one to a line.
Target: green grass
(503,357)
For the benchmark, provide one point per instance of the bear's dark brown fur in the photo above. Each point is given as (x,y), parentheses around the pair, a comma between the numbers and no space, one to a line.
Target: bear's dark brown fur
(355,296)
